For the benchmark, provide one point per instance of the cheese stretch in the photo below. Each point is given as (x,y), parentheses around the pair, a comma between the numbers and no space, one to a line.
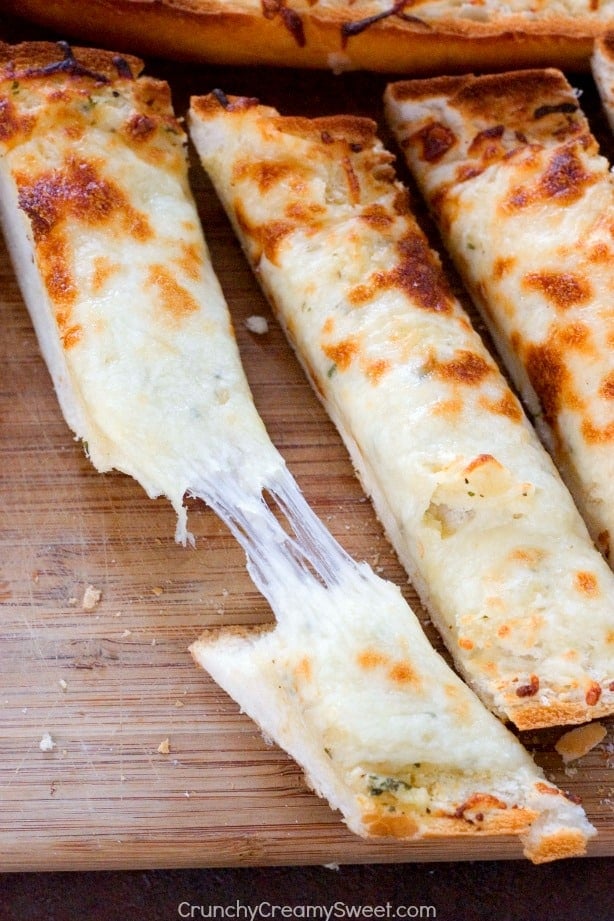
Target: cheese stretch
(470,499)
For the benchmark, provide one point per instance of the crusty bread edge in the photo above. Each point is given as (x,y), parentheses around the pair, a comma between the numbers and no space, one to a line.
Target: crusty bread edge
(227,34)
(271,710)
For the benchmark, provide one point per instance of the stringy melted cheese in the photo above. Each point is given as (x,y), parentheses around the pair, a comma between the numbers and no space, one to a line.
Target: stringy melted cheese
(484,525)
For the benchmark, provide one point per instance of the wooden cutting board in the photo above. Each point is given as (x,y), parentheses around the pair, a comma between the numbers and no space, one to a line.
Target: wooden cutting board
(112,682)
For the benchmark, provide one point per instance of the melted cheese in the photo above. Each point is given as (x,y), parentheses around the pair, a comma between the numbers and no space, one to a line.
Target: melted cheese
(526,205)
(388,734)
(487,530)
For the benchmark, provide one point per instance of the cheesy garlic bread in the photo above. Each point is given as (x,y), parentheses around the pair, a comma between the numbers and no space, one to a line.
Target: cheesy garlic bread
(471,501)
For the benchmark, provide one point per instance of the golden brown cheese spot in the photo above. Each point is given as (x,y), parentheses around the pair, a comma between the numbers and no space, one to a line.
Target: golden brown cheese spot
(78,191)
(448,408)
(486,145)
(265,238)
(304,213)
(597,434)
(562,289)
(369,659)
(586,583)
(13,125)
(416,274)
(435,140)
(401,673)
(55,266)
(606,390)
(264,173)
(328,326)
(377,216)
(575,336)
(551,379)
(190,260)
(502,266)
(72,336)
(599,253)
(465,643)
(176,300)
(342,353)
(529,556)
(593,694)
(467,368)
(507,406)
(376,369)
(103,270)
(562,182)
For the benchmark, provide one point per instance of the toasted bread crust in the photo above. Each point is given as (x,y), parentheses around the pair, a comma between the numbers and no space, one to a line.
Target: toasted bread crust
(311,36)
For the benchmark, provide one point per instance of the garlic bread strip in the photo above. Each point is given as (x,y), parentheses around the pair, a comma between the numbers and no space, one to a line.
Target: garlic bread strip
(470,499)
(384,730)
(525,204)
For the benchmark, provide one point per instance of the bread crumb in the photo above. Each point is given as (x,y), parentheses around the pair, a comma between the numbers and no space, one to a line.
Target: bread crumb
(164,747)
(91,597)
(46,743)
(179,703)
(157,590)
(63,684)
(257,325)
(579,741)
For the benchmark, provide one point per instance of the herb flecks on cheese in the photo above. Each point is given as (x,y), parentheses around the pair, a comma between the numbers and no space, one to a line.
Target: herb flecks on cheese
(472,502)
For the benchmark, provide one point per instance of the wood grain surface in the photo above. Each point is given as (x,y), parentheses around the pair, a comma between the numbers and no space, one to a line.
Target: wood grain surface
(112,683)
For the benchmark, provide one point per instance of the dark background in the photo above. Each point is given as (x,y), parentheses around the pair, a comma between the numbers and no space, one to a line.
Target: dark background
(575,890)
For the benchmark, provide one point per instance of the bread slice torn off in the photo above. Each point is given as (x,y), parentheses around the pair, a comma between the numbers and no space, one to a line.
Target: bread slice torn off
(384,731)
(472,502)
(137,336)
(602,66)
(525,205)
(394,36)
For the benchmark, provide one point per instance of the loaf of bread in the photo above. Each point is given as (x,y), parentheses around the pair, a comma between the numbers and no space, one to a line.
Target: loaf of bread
(421,36)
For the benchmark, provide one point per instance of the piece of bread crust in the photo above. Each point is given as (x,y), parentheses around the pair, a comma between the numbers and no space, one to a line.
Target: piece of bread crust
(258,667)
(298,33)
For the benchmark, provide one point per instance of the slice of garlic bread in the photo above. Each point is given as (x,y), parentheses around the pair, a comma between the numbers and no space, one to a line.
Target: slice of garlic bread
(469,497)
(525,203)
